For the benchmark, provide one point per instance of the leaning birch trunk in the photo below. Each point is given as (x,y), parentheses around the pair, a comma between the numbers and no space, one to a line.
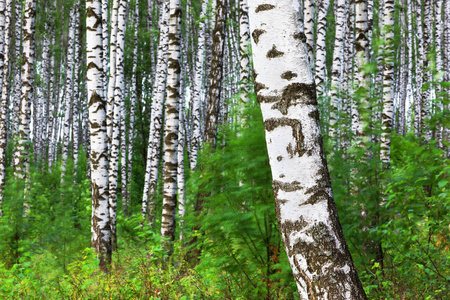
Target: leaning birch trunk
(101,234)
(4,101)
(305,208)
(154,144)
(68,90)
(168,223)
(196,97)
(21,153)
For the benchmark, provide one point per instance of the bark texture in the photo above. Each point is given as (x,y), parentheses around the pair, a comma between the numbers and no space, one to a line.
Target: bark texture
(306,213)
(101,230)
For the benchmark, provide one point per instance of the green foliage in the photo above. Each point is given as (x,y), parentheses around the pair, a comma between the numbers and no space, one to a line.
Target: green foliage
(239,235)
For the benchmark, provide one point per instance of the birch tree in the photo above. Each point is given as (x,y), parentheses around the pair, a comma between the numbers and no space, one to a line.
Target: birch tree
(7,10)
(306,213)
(172,124)
(101,233)
(117,104)
(196,97)
(153,149)
(68,89)
(21,153)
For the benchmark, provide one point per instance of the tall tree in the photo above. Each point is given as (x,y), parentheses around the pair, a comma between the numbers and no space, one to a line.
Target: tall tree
(168,223)
(306,213)
(21,153)
(101,230)
(7,10)
(154,140)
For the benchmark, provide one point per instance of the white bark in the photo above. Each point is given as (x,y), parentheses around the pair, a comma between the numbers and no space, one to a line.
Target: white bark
(101,234)
(321,69)
(68,90)
(196,97)
(387,117)
(309,27)
(309,225)
(4,99)
(21,153)
(151,173)
(172,123)
(336,78)
(117,103)
(180,159)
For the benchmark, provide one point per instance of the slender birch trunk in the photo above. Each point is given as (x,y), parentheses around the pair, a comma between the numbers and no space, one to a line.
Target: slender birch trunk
(419,68)
(118,89)
(336,78)
(309,27)
(320,63)
(244,43)
(427,76)
(362,58)
(154,144)
(7,9)
(410,89)
(131,132)
(306,213)
(446,55)
(168,223)
(216,76)
(196,97)
(180,158)
(21,159)
(68,90)
(387,118)
(17,66)
(101,234)
(76,95)
(112,75)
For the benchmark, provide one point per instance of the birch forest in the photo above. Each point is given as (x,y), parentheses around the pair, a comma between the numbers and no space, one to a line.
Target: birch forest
(224,149)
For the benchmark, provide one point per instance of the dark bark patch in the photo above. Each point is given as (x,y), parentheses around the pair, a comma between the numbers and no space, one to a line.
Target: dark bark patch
(288,75)
(264,7)
(273,53)
(259,86)
(280,158)
(297,133)
(256,33)
(300,36)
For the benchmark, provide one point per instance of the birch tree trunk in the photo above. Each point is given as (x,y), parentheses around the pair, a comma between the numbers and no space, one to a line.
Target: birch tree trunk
(180,158)
(7,9)
(336,78)
(196,97)
(362,58)
(17,66)
(320,63)
(427,77)
(172,125)
(117,103)
(244,43)
(216,76)
(154,144)
(388,76)
(306,213)
(101,235)
(309,28)
(68,90)
(21,159)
